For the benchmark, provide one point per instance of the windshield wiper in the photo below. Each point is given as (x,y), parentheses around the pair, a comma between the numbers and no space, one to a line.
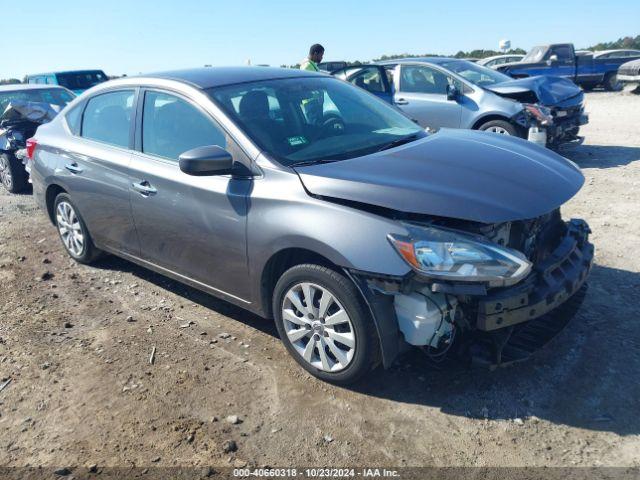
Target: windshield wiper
(305,163)
(398,142)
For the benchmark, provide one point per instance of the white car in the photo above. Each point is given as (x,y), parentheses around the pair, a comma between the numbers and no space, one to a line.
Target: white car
(629,72)
(493,62)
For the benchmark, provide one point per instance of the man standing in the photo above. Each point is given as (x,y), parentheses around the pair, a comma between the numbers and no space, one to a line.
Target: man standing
(316,52)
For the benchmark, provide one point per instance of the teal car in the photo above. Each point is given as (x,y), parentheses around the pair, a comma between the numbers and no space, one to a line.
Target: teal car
(77,80)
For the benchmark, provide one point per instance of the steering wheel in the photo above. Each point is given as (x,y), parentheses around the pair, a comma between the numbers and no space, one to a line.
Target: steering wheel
(332,125)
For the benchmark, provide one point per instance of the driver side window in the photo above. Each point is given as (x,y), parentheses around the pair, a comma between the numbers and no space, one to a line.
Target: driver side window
(172,126)
(423,79)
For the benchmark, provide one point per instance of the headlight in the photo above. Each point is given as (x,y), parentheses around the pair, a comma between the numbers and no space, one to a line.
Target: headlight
(454,256)
(540,113)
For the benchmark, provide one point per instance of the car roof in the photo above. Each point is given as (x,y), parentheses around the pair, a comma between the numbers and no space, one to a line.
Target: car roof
(209,77)
(436,60)
(16,87)
(603,52)
(502,56)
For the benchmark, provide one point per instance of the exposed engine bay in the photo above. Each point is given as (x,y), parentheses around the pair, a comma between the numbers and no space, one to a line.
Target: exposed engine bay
(496,325)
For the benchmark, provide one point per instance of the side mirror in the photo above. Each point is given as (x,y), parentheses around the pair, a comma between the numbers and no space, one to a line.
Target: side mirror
(206,161)
(552,59)
(452,92)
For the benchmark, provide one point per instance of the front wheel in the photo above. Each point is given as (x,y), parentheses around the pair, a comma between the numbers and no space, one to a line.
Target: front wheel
(13,176)
(323,324)
(499,126)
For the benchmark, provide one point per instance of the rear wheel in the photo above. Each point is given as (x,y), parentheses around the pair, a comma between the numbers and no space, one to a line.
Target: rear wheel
(13,176)
(73,231)
(611,83)
(323,324)
(499,126)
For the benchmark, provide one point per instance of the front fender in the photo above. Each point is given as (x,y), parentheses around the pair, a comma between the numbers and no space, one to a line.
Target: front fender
(282,215)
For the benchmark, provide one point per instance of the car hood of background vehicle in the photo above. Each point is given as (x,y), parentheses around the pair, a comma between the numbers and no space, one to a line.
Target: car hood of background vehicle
(549,90)
(478,176)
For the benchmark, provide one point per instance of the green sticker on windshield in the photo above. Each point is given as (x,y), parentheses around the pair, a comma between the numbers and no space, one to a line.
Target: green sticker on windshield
(296,141)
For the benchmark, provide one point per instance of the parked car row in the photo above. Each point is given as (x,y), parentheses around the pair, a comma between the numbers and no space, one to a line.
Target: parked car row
(434,92)
(308,201)
(586,69)
(443,92)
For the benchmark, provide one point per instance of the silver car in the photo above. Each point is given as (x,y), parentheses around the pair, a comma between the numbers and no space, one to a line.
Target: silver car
(443,92)
(307,200)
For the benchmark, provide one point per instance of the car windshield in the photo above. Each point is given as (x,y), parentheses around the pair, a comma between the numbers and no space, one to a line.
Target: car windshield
(307,120)
(81,80)
(52,96)
(476,74)
(536,54)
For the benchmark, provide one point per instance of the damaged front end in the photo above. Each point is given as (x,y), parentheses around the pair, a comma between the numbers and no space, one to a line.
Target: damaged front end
(553,108)
(490,294)
(18,122)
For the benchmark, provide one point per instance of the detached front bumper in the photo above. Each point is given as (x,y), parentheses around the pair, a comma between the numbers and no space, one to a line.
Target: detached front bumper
(549,285)
(497,326)
(565,129)
(516,322)
(561,126)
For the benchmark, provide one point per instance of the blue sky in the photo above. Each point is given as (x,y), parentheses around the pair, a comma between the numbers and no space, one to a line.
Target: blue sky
(143,35)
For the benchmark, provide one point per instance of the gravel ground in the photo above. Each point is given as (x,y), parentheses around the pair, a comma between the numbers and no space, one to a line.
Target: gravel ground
(76,341)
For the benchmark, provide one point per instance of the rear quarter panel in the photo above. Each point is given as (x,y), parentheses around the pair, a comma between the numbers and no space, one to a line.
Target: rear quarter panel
(45,162)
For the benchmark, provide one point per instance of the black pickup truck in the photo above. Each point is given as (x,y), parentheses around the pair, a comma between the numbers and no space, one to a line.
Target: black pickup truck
(561,60)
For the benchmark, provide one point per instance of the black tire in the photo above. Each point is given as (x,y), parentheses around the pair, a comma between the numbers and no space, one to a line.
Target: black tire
(89,253)
(587,87)
(611,83)
(499,124)
(345,292)
(14,177)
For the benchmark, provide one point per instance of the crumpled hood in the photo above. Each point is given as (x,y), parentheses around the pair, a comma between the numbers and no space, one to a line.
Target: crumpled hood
(462,174)
(25,111)
(549,90)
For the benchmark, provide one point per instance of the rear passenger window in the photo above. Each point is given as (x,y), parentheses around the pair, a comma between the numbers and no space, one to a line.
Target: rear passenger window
(74,117)
(422,79)
(172,126)
(107,118)
(369,79)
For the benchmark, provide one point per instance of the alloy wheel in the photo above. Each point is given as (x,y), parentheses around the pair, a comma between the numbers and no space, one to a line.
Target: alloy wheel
(70,229)
(496,129)
(5,173)
(318,327)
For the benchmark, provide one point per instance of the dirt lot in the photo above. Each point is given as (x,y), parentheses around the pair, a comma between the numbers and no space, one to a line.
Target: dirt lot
(76,340)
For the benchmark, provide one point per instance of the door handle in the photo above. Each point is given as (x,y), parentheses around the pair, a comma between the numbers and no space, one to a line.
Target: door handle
(144,188)
(401,101)
(73,167)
